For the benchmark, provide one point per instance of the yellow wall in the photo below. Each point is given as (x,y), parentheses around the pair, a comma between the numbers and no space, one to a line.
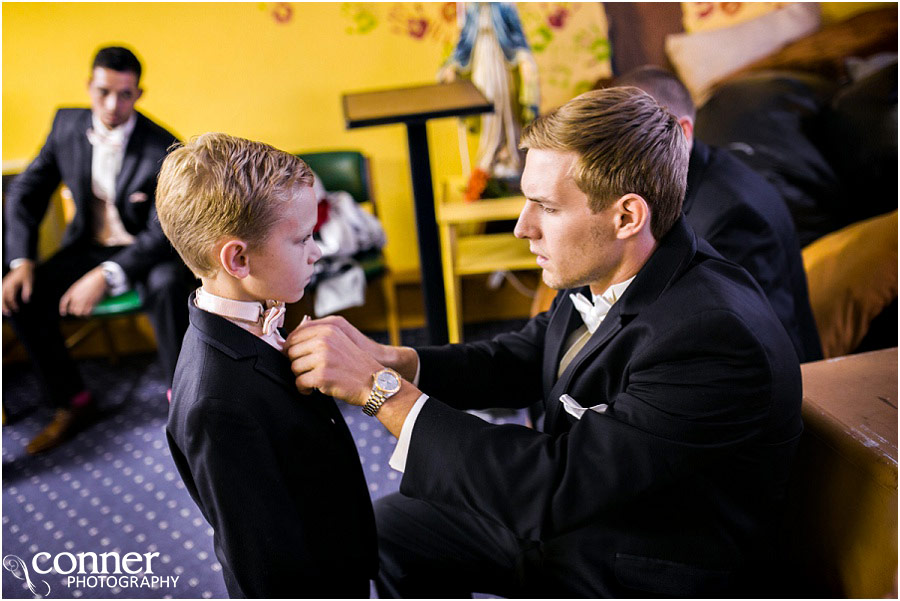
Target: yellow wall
(234,67)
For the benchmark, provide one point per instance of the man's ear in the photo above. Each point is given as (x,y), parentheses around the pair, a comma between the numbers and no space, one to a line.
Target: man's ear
(632,216)
(233,258)
(140,92)
(687,127)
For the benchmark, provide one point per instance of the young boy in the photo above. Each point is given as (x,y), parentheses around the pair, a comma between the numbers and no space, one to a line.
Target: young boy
(275,473)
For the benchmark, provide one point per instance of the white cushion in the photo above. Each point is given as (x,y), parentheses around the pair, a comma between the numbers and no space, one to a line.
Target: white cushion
(705,58)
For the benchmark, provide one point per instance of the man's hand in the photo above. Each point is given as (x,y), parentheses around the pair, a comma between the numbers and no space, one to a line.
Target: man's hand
(17,284)
(324,357)
(82,296)
(402,359)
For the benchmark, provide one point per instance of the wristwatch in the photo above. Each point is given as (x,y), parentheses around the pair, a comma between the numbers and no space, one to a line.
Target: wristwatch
(386,383)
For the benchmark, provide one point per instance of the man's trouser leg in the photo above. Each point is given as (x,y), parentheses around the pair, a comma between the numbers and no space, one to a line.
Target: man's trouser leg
(431,552)
(165,296)
(36,323)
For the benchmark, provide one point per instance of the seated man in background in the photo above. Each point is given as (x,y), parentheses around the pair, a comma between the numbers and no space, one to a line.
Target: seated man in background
(741,214)
(109,157)
(671,391)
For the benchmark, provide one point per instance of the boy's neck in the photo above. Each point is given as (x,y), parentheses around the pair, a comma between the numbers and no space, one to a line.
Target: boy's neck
(229,290)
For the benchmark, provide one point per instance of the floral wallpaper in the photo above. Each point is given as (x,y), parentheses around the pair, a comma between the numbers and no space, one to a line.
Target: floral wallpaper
(570,44)
(569,39)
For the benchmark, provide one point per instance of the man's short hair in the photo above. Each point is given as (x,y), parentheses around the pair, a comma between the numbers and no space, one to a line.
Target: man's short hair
(219,186)
(663,85)
(117,58)
(626,143)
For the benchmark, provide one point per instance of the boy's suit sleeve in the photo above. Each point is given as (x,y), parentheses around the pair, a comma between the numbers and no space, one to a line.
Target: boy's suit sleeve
(237,478)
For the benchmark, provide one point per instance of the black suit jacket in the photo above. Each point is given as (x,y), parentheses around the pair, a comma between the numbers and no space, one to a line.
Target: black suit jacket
(671,491)
(744,217)
(66,157)
(274,472)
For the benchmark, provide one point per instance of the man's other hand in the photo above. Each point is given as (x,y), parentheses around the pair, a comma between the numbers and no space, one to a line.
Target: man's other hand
(324,357)
(17,286)
(82,296)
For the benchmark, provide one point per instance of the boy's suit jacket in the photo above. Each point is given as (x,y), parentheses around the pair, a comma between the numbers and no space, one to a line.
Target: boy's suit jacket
(275,473)
(66,157)
(672,490)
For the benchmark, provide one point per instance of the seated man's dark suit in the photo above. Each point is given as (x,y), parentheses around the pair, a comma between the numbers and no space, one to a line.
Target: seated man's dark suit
(274,472)
(672,491)
(744,218)
(150,263)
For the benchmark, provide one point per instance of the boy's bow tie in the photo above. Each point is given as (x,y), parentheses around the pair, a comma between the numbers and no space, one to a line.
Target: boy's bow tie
(273,317)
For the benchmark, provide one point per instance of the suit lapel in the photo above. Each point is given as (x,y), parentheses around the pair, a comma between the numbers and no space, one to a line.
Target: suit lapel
(130,160)
(84,158)
(670,259)
(238,343)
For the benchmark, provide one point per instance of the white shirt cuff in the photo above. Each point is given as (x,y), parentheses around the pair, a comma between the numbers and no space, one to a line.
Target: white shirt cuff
(116,280)
(398,458)
(415,380)
(16,262)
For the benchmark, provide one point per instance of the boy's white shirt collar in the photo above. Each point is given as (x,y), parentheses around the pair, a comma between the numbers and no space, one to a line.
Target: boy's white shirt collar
(258,318)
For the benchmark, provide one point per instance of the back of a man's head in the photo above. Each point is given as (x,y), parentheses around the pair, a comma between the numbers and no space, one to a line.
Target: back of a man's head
(626,143)
(663,85)
(119,59)
(218,185)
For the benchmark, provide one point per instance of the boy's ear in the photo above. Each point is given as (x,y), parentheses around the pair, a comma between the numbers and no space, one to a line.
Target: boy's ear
(632,216)
(233,258)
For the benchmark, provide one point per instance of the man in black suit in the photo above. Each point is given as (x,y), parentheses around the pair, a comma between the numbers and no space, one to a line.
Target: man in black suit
(672,394)
(740,213)
(109,158)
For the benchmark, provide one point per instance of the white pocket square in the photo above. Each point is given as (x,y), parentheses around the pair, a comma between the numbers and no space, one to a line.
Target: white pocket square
(138,197)
(574,409)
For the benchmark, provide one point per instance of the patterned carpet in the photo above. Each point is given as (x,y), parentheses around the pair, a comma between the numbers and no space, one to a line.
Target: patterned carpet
(114,490)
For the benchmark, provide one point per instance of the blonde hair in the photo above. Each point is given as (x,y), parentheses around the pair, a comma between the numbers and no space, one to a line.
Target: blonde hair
(218,185)
(626,143)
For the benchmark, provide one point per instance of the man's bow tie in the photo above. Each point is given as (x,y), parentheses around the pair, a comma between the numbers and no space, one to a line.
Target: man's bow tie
(591,313)
(114,139)
(273,317)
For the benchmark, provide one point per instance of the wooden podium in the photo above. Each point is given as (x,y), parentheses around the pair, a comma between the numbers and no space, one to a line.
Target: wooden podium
(413,107)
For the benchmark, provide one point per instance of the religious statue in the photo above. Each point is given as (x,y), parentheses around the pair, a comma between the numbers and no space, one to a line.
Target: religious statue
(493,53)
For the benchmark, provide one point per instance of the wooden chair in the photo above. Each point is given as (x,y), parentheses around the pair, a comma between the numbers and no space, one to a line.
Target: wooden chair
(466,251)
(348,170)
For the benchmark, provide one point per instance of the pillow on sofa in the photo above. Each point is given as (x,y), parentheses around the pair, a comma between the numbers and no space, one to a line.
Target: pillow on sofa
(706,57)
(852,276)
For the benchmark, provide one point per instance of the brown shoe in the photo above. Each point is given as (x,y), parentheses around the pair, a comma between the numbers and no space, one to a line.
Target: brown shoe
(66,422)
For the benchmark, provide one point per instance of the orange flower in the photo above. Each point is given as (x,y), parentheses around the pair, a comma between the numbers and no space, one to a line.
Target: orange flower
(477,182)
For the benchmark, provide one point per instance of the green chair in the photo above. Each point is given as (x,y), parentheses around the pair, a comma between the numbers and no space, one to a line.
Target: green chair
(125,304)
(348,170)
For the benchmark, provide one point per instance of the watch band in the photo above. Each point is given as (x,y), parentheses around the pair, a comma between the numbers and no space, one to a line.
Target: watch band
(375,401)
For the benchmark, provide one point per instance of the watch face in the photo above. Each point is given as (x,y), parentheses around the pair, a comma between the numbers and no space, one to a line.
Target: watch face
(387,381)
